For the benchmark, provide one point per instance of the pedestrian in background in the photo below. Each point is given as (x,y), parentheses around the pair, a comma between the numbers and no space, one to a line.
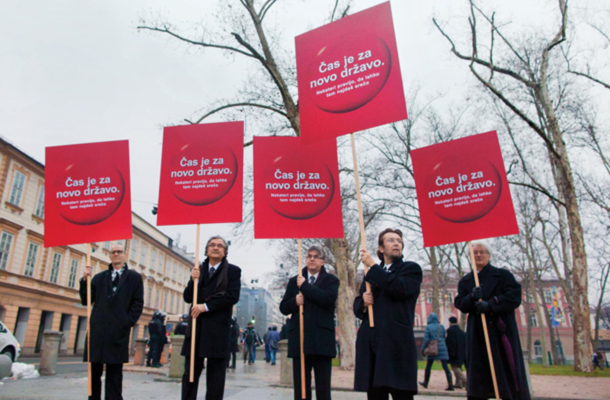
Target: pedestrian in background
(234,339)
(267,349)
(456,346)
(182,325)
(435,348)
(272,340)
(250,339)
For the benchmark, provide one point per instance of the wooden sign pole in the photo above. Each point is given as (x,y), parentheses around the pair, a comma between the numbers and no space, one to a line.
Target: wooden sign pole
(489,356)
(89,318)
(302,332)
(361,219)
(194,325)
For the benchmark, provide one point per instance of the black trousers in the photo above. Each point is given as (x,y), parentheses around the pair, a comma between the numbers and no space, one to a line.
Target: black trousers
(233,355)
(322,367)
(114,381)
(216,373)
(384,392)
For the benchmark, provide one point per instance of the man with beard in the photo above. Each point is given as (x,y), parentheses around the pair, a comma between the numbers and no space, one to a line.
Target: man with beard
(117,295)
(498,296)
(218,291)
(386,356)
(317,292)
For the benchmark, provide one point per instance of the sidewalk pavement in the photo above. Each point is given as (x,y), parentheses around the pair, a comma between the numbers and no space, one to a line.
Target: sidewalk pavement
(260,381)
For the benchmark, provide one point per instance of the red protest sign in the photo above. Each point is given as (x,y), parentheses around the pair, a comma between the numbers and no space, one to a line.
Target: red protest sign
(349,76)
(87,193)
(462,190)
(201,174)
(296,189)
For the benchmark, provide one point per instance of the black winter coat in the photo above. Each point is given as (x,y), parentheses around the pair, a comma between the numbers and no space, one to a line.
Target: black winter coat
(395,296)
(456,345)
(503,293)
(113,314)
(213,327)
(234,339)
(318,315)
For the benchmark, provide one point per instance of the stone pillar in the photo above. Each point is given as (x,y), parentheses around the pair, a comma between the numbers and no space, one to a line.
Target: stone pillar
(176,361)
(6,365)
(285,364)
(50,351)
(526,364)
(140,356)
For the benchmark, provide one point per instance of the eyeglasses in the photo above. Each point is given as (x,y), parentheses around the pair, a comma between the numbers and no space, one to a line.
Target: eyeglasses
(313,257)
(216,246)
(115,252)
(393,240)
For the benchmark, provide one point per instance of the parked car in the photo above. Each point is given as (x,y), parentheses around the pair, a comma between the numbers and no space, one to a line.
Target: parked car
(8,344)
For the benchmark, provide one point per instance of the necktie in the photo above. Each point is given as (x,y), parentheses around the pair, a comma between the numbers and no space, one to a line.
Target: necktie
(115,280)
(212,270)
(312,280)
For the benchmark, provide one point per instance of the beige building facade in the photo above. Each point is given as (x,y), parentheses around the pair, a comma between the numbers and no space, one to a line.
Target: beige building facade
(39,286)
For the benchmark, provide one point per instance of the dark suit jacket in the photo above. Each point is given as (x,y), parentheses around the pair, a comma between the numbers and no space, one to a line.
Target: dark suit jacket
(456,345)
(318,315)
(395,296)
(113,314)
(213,327)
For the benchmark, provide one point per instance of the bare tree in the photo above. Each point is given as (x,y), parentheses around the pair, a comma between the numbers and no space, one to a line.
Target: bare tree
(523,72)
(273,94)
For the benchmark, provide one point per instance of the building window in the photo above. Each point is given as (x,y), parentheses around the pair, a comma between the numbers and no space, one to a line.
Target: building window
(537,349)
(73,273)
(133,250)
(548,297)
(6,240)
(417,320)
(55,264)
(150,303)
(165,301)
(107,245)
(30,259)
(449,298)
(559,347)
(17,189)
(121,243)
(533,320)
(39,212)
(143,255)
(153,259)
(429,297)
(175,272)
(161,263)
(530,298)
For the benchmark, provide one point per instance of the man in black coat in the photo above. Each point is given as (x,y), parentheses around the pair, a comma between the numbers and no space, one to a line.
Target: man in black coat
(317,292)
(218,291)
(117,296)
(501,296)
(182,325)
(156,330)
(456,346)
(386,356)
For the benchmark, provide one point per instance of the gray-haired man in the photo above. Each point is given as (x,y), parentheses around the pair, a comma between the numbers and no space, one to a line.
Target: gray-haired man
(317,292)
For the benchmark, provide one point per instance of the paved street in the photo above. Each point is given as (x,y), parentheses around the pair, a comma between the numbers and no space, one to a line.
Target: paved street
(245,383)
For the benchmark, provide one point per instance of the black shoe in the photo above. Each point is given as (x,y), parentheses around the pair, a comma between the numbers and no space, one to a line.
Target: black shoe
(157,365)
(450,388)
(425,385)
(272,363)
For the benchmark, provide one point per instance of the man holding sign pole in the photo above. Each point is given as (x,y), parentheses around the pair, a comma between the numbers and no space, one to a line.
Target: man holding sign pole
(117,295)
(498,296)
(317,292)
(386,356)
(218,291)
